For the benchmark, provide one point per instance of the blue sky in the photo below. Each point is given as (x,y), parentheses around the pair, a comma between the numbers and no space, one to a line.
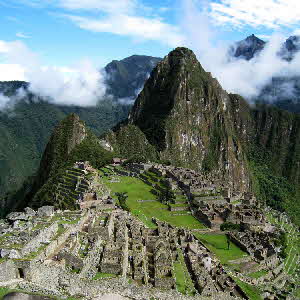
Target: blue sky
(64,31)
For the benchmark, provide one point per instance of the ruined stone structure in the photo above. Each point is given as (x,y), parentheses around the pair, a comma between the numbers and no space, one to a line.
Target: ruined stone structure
(64,252)
(79,245)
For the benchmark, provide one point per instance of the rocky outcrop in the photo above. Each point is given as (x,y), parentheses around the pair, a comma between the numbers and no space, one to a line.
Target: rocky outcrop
(248,47)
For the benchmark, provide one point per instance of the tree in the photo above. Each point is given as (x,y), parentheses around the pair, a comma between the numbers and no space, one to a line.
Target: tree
(228,241)
(122,197)
(166,196)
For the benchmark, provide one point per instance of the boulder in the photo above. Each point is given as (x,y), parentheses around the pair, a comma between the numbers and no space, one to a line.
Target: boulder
(30,212)
(14,254)
(4,253)
(13,216)
(45,211)
(10,253)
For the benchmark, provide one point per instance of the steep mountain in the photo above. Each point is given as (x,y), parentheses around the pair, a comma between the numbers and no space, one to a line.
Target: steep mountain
(25,130)
(248,47)
(290,47)
(186,116)
(71,141)
(126,77)
(183,113)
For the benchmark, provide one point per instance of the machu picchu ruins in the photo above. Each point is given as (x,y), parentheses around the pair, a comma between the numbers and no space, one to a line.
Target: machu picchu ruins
(100,248)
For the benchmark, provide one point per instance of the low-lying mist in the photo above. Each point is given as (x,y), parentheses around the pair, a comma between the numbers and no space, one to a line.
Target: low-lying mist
(82,85)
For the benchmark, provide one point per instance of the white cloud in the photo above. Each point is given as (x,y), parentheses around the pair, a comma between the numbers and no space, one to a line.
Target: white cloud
(22,35)
(246,78)
(264,36)
(11,72)
(133,26)
(296,32)
(110,6)
(81,85)
(4,101)
(266,13)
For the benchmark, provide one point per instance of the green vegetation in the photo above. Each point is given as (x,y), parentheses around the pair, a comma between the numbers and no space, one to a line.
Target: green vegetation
(257,274)
(217,244)
(184,282)
(122,200)
(291,243)
(130,142)
(138,190)
(251,291)
(273,159)
(90,150)
(166,196)
(100,275)
(230,226)
(4,291)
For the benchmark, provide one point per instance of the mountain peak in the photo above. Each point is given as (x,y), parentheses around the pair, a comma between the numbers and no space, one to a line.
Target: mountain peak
(248,47)
(252,37)
(70,132)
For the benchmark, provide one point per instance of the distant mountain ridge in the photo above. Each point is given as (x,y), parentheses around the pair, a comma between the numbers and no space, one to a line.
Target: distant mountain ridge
(126,77)
(252,45)
(284,91)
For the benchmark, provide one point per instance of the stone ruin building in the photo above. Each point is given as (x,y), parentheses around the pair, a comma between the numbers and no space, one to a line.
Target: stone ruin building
(75,246)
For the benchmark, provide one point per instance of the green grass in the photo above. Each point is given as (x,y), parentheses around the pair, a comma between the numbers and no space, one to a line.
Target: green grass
(217,243)
(4,291)
(258,274)
(251,291)
(184,282)
(100,275)
(179,205)
(137,190)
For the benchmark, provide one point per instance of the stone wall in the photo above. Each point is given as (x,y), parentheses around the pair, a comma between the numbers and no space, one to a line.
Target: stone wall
(92,260)
(50,249)
(43,237)
(8,271)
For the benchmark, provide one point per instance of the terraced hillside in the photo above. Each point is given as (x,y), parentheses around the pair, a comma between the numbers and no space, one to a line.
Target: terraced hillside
(71,187)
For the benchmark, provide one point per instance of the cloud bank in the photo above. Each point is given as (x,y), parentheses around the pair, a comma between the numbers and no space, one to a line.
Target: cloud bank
(81,85)
(246,78)
(268,13)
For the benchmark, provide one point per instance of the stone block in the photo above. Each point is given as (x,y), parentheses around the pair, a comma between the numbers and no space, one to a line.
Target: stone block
(13,216)
(45,211)
(30,212)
